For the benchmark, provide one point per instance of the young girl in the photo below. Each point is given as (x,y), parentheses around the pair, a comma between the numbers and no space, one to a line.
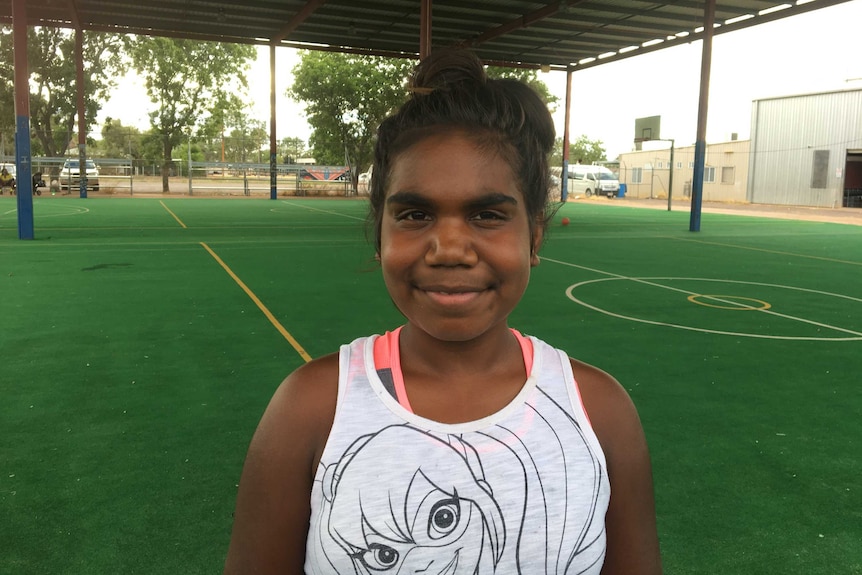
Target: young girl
(454,444)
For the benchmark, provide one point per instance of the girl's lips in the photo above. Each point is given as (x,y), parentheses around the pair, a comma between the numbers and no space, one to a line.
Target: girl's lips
(454,297)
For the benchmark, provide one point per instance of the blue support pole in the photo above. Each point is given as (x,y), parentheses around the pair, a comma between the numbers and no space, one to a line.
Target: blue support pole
(703,106)
(697,185)
(564,184)
(23,166)
(24,178)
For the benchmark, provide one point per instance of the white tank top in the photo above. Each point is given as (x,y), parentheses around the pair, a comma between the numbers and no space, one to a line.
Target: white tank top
(524,490)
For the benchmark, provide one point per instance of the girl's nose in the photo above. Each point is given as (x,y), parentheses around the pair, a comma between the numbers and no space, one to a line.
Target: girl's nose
(451,244)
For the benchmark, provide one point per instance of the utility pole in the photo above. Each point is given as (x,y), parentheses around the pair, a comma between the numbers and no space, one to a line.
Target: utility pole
(670,177)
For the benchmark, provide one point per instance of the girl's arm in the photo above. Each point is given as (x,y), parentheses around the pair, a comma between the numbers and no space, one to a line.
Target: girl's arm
(272,506)
(633,547)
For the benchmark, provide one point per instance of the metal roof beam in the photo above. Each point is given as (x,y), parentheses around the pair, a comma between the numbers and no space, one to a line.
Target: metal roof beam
(523,22)
(74,18)
(310,7)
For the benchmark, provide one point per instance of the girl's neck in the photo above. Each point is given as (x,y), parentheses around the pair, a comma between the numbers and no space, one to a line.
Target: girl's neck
(454,382)
(419,350)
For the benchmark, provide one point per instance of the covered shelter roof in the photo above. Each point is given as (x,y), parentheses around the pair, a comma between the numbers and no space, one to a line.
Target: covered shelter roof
(563,35)
(567,35)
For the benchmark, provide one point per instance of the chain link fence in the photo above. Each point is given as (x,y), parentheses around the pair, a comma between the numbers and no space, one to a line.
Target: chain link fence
(221,166)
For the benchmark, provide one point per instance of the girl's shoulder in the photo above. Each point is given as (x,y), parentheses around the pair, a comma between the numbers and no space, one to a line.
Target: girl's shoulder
(272,509)
(307,398)
(630,520)
(606,401)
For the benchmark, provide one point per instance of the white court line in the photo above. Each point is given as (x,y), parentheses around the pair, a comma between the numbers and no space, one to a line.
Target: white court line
(74,211)
(645,281)
(290,202)
(768,251)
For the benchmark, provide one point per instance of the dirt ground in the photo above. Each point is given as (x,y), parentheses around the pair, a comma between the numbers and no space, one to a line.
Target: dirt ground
(214,187)
(852,216)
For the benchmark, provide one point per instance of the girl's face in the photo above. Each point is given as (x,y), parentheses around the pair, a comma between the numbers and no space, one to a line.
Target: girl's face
(456,244)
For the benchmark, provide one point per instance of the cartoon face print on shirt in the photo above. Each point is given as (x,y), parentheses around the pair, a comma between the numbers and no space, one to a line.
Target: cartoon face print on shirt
(430,514)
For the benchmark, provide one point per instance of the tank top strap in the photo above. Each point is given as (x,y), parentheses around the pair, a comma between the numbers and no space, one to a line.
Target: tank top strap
(387,362)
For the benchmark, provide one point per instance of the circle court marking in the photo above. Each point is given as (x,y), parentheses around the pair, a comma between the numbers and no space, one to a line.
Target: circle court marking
(71,211)
(697,299)
(855,336)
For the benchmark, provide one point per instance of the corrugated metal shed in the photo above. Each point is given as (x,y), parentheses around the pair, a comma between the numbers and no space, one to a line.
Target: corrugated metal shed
(801,146)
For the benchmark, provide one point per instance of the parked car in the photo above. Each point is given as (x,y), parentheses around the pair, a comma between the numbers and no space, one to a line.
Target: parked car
(590,180)
(364,184)
(70,175)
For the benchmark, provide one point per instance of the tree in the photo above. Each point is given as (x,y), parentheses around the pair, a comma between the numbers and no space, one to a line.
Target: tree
(292,148)
(119,141)
(187,80)
(229,133)
(53,86)
(346,97)
(582,150)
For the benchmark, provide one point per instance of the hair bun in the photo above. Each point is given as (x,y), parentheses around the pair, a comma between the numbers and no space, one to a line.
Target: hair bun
(447,69)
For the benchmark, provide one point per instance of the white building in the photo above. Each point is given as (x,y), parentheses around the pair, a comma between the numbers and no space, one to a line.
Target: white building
(647,173)
(805,150)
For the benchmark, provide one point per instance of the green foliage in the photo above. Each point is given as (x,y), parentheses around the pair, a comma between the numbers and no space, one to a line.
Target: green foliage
(119,141)
(152,148)
(291,149)
(188,80)
(583,149)
(230,134)
(182,152)
(346,97)
(53,85)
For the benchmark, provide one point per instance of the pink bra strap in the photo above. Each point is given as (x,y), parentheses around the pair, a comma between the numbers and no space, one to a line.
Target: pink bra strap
(526,350)
(387,355)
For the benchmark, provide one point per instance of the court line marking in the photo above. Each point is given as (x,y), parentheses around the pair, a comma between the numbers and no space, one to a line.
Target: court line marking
(186,245)
(173,214)
(74,211)
(734,298)
(687,292)
(858,336)
(272,319)
(290,203)
(821,258)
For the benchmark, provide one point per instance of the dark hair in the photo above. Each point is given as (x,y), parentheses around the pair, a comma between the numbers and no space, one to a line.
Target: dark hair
(449,90)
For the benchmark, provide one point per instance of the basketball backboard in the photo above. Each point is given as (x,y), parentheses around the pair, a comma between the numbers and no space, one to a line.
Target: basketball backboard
(648,128)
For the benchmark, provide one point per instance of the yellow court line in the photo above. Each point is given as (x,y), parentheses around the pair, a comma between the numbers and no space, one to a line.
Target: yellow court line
(806,256)
(302,353)
(173,214)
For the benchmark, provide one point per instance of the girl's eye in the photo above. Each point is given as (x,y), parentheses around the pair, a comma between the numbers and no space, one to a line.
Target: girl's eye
(412,216)
(488,215)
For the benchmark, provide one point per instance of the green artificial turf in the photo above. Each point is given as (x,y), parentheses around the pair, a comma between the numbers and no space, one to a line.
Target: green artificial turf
(135,369)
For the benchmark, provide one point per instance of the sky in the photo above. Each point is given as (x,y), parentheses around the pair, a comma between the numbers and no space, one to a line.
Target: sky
(812,52)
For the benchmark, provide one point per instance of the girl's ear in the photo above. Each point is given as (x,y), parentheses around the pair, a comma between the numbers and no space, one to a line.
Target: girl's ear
(536,242)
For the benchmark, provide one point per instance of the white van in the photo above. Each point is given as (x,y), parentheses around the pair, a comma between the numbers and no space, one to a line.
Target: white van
(589,180)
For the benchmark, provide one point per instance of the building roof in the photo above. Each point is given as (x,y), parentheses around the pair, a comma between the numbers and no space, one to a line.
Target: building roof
(566,35)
